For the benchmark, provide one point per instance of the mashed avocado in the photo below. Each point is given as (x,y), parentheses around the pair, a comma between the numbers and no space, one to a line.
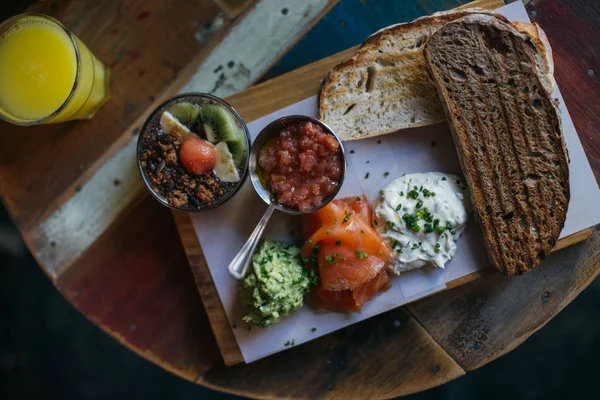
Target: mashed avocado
(276,284)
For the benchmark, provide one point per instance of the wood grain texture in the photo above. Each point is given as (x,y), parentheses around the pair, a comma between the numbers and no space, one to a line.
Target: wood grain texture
(210,298)
(304,82)
(219,322)
(563,243)
(570,240)
(286,89)
(577,63)
(488,4)
(484,319)
(144,61)
(480,321)
(237,62)
(233,8)
(387,356)
(276,94)
(59,239)
(111,183)
(138,288)
(134,282)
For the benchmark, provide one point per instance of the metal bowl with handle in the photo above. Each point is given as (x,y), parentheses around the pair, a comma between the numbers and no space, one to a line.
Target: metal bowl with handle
(238,268)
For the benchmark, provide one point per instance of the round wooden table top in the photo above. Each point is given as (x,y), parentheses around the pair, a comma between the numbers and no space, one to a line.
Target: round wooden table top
(114,253)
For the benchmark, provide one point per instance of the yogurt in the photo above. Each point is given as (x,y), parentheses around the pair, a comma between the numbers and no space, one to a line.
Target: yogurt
(422,216)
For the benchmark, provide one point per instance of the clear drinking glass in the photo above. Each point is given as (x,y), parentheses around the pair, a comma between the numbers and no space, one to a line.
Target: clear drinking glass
(47,74)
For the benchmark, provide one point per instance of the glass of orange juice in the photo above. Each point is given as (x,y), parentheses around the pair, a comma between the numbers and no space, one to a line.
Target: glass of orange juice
(47,74)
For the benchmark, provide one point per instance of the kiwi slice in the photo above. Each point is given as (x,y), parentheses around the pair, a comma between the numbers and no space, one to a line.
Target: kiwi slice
(186,113)
(220,126)
(237,147)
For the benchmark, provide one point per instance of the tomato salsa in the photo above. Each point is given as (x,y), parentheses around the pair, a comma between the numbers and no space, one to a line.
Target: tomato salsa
(302,165)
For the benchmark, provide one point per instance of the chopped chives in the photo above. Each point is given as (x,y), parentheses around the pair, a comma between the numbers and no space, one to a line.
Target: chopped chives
(361,254)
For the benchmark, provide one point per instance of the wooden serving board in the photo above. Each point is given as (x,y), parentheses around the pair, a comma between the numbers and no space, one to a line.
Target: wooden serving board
(257,102)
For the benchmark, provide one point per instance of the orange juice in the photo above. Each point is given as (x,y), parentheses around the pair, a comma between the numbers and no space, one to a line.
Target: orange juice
(46,73)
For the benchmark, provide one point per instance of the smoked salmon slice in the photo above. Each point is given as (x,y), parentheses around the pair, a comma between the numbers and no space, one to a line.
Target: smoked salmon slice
(351,300)
(348,253)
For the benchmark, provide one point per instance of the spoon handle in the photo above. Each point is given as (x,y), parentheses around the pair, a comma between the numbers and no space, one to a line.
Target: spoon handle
(238,268)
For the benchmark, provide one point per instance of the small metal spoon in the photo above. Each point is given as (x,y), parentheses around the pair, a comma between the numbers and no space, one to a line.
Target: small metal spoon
(238,268)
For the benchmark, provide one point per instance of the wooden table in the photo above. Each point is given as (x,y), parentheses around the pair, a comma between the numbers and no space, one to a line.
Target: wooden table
(114,253)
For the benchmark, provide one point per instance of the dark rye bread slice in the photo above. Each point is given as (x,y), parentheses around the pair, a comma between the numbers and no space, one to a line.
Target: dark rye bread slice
(508,136)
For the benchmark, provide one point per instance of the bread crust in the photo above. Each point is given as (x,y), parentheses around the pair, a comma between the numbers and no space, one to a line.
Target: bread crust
(334,80)
(440,16)
(545,62)
(508,135)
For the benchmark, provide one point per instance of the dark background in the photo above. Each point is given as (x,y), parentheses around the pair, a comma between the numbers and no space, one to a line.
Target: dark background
(49,350)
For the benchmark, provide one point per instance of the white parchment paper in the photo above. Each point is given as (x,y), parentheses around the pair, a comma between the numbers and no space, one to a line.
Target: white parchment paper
(223,231)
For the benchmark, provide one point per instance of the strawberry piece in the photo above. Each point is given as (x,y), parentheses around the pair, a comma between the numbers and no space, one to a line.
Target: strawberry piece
(197,155)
